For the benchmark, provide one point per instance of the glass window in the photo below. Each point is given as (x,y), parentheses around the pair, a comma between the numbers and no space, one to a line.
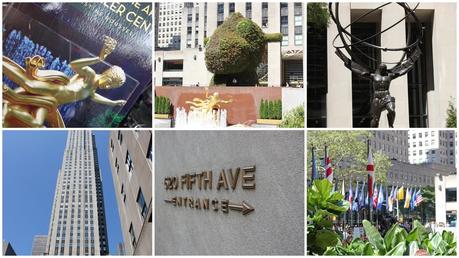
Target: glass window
(141,203)
(132,234)
(451,194)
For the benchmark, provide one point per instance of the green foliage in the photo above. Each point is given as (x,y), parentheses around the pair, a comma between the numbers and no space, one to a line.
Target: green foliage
(451,121)
(294,118)
(348,151)
(322,205)
(235,50)
(206,40)
(271,109)
(398,242)
(109,118)
(318,16)
(273,37)
(162,105)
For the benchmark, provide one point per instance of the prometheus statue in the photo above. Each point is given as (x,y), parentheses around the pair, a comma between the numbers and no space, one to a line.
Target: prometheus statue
(35,102)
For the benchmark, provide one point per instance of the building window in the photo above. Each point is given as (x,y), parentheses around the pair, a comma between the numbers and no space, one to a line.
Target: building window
(298,24)
(120,137)
(220,13)
(231,8)
(451,194)
(142,204)
(132,234)
(129,164)
(264,15)
(248,11)
(284,23)
(150,151)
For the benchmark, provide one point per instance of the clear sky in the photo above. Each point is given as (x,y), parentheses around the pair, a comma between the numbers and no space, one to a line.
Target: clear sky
(31,161)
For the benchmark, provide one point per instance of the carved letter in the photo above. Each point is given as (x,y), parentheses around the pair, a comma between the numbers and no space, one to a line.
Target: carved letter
(199,179)
(197,204)
(248,179)
(191,181)
(207,178)
(205,204)
(184,180)
(222,181)
(234,177)
(224,205)
(215,204)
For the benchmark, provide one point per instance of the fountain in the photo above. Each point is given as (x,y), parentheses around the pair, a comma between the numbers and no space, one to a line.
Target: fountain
(195,119)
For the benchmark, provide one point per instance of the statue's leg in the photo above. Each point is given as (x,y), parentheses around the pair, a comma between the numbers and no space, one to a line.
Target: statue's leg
(375,113)
(14,73)
(391,112)
(24,116)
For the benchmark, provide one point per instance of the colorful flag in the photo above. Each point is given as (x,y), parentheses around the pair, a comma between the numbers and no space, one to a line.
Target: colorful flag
(328,167)
(413,199)
(407,198)
(400,193)
(390,200)
(375,197)
(371,172)
(380,197)
(419,198)
(314,164)
(355,206)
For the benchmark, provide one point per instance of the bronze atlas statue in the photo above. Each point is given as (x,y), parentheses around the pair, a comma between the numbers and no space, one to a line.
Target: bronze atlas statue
(355,59)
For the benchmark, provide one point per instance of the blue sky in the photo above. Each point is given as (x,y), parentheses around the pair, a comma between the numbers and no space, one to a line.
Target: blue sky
(31,161)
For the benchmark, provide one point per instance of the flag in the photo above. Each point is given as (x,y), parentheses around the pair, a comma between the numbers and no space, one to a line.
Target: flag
(314,164)
(407,198)
(371,172)
(362,196)
(351,196)
(413,199)
(375,197)
(400,193)
(355,206)
(419,198)
(390,200)
(366,199)
(328,168)
(380,197)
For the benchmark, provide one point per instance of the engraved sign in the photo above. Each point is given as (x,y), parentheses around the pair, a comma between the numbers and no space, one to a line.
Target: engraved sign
(225,180)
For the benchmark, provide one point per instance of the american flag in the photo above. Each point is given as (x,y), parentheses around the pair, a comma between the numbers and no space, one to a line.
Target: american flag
(419,198)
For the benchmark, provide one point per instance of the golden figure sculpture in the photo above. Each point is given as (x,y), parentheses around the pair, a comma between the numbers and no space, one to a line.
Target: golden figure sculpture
(40,92)
(208,104)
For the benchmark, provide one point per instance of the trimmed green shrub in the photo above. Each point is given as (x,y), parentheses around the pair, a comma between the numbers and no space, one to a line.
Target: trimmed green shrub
(162,105)
(271,109)
(235,50)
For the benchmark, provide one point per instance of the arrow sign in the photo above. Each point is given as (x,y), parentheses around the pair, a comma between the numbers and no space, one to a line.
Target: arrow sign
(245,208)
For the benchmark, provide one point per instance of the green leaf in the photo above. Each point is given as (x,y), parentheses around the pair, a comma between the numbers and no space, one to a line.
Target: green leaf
(389,238)
(398,250)
(413,248)
(374,237)
(325,238)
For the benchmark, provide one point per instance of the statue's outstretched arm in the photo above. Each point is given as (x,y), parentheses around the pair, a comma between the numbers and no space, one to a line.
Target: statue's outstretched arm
(103,100)
(79,64)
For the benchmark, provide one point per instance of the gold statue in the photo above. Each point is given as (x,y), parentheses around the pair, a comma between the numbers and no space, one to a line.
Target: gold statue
(208,104)
(40,92)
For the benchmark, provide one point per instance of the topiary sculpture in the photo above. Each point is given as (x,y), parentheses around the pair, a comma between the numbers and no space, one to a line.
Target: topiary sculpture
(235,50)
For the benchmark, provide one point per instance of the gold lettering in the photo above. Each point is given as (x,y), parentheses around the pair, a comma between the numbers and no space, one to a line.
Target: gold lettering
(207,178)
(224,205)
(222,181)
(234,177)
(215,204)
(146,10)
(136,5)
(205,203)
(248,179)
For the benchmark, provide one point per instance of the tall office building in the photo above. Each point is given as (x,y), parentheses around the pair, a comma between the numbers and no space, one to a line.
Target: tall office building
(78,225)
(168,24)
(39,244)
(131,163)
(186,65)
(432,146)
(393,143)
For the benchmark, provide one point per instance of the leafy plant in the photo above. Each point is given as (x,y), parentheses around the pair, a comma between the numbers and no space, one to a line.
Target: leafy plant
(451,121)
(162,105)
(318,16)
(398,242)
(294,118)
(271,109)
(323,204)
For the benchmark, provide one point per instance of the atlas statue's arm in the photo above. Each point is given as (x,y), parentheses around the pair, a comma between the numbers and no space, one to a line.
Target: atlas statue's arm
(103,100)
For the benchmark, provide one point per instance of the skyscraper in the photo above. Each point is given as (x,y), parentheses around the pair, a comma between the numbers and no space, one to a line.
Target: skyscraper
(77,225)
(39,244)
(131,162)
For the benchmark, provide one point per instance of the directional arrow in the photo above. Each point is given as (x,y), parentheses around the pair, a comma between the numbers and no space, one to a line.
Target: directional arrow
(245,207)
